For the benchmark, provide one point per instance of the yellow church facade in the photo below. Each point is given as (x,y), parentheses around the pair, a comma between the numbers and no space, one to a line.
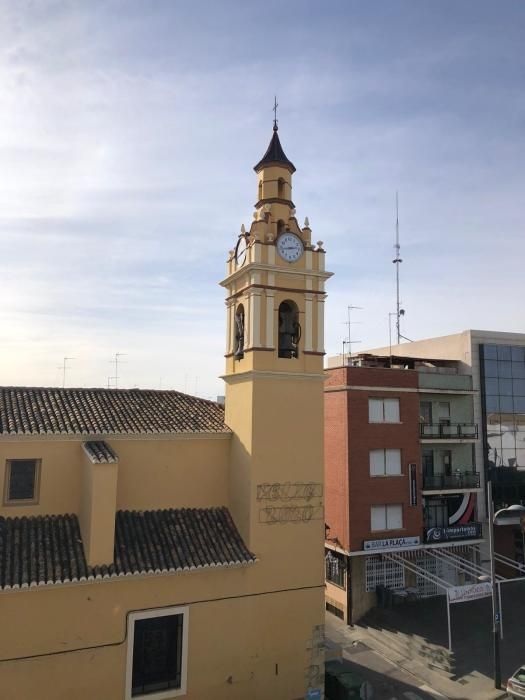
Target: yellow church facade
(155,545)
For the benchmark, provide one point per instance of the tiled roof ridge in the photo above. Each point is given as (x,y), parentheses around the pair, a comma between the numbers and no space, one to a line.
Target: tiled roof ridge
(120,390)
(102,411)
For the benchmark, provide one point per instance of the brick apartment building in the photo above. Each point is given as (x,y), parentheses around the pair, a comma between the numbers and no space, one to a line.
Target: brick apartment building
(400,478)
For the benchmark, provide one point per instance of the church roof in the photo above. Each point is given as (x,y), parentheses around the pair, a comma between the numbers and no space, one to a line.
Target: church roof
(275,154)
(47,549)
(45,411)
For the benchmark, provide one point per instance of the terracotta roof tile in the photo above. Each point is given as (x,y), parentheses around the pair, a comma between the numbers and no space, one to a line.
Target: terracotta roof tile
(99,452)
(44,550)
(41,411)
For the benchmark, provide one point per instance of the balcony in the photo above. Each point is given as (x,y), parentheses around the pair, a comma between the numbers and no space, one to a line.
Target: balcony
(453,482)
(448,431)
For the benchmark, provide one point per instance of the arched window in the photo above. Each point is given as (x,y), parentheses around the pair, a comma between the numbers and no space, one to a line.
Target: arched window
(280,227)
(289,330)
(239,333)
(260,189)
(280,188)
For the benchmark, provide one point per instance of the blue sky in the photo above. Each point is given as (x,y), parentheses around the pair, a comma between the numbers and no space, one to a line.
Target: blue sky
(128,133)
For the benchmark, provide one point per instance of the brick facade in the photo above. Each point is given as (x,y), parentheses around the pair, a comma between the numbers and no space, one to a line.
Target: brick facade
(349,437)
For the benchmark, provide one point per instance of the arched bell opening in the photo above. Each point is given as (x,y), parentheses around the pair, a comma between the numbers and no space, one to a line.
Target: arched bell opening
(239,333)
(260,190)
(280,188)
(289,330)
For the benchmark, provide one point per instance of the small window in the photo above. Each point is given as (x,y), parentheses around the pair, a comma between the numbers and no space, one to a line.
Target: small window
(383,410)
(21,483)
(260,189)
(335,568)
(385,462)
(386,517)
(157,654)
(280,188)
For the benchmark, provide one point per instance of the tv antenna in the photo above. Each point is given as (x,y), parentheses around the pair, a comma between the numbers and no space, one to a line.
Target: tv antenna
(116,361)
(349,323)
(64,367)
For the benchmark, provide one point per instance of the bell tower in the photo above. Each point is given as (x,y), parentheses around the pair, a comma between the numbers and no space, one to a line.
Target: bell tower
(275,288)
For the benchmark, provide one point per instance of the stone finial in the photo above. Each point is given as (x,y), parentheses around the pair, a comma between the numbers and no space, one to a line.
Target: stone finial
(255,215)
(306,222)
(320,245)
(243,230)
(269,237)
(292,212)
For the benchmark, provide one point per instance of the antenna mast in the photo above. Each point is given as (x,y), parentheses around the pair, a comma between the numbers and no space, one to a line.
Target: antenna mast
(349,323)
(397,261)
(64,367)
(116,361)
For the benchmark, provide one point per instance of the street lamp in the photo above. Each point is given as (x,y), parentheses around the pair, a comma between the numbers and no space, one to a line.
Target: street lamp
(507,514)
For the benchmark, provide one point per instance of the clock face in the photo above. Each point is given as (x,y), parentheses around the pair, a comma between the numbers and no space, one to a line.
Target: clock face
(290,247)
(240,250)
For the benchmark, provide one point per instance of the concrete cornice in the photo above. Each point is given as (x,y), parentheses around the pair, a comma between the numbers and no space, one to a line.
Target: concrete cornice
(267,374)
(404,389)
(264,267)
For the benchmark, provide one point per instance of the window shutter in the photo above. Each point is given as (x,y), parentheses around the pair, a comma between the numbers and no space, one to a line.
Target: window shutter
(394,517)
(391,410)
(393,461)
(377,518)
(377,462)
(375,410)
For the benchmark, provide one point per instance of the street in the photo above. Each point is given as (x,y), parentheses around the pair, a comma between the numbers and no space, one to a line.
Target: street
(386,680)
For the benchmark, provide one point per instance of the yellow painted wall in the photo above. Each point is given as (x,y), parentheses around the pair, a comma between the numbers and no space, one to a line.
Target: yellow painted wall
(242,637)
(153,473)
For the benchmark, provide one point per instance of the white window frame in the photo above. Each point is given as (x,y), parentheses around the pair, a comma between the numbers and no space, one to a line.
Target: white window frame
(158,612)
(383,470)
(385,506)
(382,413)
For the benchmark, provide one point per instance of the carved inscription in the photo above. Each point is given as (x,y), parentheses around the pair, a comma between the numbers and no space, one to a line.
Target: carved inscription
(290,514)
(289,491)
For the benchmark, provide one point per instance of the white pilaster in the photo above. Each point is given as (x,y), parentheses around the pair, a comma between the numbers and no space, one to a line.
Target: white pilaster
(270,303)
(320,324)
(255,302)
(308,322)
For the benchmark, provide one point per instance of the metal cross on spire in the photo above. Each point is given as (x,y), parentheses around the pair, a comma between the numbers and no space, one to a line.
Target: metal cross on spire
(275,105)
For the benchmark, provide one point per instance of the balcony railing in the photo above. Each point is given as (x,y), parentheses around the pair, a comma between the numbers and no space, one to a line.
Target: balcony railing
(444,431)
(451,482)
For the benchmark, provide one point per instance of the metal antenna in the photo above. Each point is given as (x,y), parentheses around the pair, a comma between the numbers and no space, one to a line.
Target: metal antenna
(397,261)
(64,367)
(275,105)
(116,361)
(349,323)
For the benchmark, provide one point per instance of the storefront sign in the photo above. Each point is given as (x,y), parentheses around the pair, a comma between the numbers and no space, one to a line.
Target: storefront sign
(454,532)
(462,594)
(412,470)
(392,543)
